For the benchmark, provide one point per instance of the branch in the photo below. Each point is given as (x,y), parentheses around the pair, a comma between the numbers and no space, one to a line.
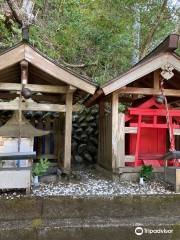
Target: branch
(15,11)
(153,30)
(83,65)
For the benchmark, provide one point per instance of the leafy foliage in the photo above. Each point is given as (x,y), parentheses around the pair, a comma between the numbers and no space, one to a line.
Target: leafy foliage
(146,172)
(89,31)
(41,167)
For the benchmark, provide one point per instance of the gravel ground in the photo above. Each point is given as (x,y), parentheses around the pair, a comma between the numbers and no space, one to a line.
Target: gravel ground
(91,182)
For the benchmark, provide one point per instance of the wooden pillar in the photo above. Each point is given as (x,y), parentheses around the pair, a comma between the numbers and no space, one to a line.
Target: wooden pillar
(68,132)
(101,139)
(157,78)
(24,72)
(118,138)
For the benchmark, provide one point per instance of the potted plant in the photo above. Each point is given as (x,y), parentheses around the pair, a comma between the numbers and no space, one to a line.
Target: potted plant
(39,169)
(145,173)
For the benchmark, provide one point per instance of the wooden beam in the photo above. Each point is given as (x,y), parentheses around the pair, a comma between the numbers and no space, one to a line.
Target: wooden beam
(68,133)
(93,99)
(30,105)
(35,88)
(148,91)
(44,98)
(131,130)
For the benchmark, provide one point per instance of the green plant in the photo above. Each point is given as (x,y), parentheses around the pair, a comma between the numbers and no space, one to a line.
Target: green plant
(1,163)
(146,172)
(41,167)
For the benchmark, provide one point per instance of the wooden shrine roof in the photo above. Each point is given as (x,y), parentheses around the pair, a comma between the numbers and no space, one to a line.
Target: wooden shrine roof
(42,70)
(143,70)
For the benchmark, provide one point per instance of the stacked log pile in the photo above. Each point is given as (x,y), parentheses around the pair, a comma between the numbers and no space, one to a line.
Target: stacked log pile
(85,136)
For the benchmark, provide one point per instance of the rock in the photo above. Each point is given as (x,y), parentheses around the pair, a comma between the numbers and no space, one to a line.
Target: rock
(88,157)
(78,159)
(84,137)
(94,111)
(81,119)
(84,125)
(74,145)
(89,130)
(75,125)
(82,148)
(59,172)
(93,124)
(48,179)
(76,138)
(90,119)
(92,149)
(94,140)
(79,131)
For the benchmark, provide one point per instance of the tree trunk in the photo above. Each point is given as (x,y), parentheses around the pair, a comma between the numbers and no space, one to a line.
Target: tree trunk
(15,11)
(153,30)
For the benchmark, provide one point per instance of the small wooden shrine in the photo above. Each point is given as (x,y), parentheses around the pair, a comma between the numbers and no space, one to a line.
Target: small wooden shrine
(46,93)
(16,152)
(150,125)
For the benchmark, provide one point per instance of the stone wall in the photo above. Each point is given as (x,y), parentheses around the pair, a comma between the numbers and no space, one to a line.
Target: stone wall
(85,136)
(88,218)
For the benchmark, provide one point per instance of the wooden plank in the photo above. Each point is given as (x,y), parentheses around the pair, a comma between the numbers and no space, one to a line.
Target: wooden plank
(177,132)
(35,88)
(117,134)
(137,169)
(12,57)
(129,158)
(68,133)
(130,130)
(17,155)
(33,106)
(121,140)
(15,179)
(148,91)
(157,78)
(38,98)
(101,131)
(56,71)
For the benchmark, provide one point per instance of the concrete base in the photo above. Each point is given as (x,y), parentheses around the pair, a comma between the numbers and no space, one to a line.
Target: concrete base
(172,176)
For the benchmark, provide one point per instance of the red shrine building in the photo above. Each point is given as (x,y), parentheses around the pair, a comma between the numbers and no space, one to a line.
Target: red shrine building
(150,126)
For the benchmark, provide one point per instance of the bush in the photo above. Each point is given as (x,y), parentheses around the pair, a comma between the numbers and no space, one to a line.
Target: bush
(41,167)
(146,172)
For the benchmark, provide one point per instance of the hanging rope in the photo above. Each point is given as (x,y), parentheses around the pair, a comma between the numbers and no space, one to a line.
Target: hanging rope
(169,122)
(171,136)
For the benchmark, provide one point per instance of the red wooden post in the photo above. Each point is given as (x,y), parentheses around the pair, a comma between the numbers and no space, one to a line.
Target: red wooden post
(138,140)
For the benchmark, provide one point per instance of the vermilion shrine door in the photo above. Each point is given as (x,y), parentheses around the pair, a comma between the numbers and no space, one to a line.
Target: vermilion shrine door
(152,144)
